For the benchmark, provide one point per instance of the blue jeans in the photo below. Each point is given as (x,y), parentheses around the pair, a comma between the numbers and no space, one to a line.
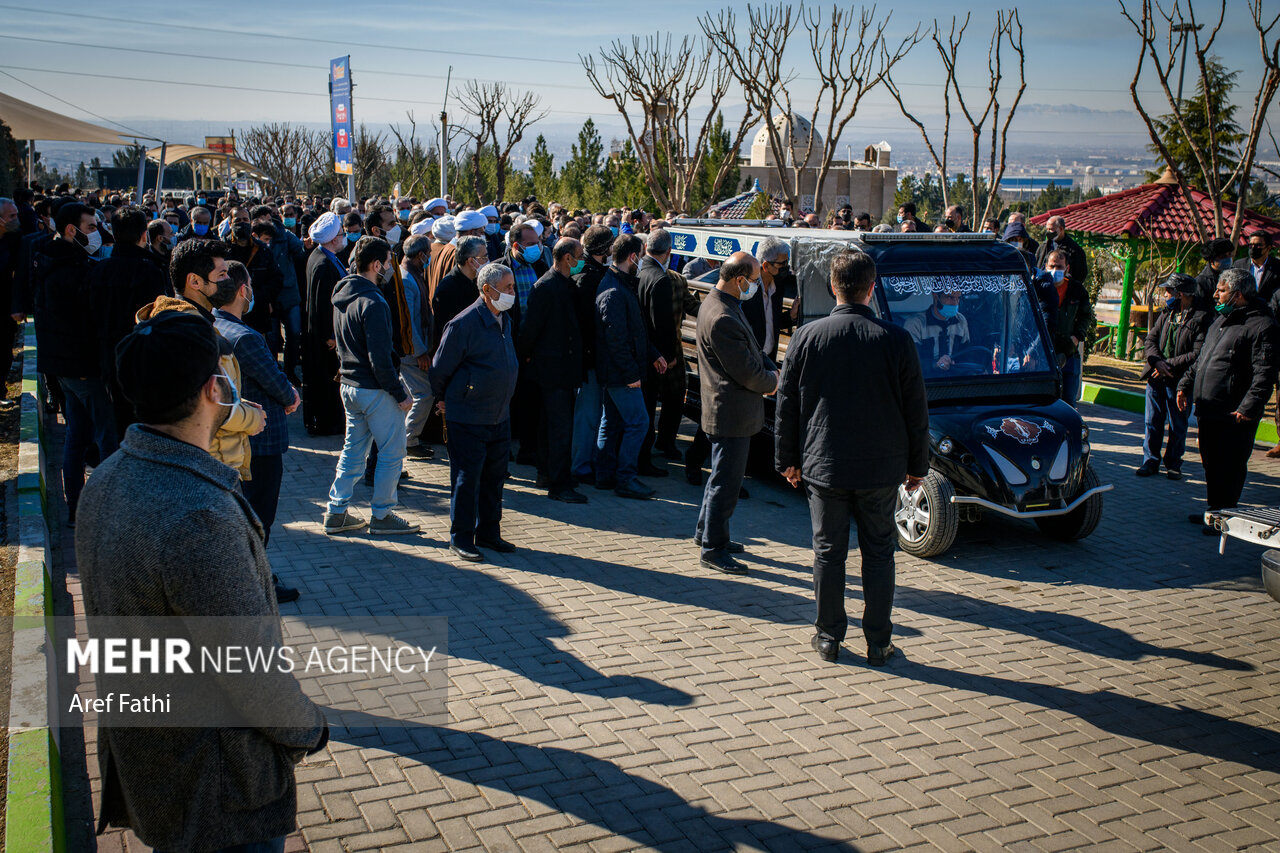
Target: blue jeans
(274,845)
(586,425)
(720,495)
(1071,379)
(371,416)
(622,431)
(478,457)
(91,420)
(1162,408)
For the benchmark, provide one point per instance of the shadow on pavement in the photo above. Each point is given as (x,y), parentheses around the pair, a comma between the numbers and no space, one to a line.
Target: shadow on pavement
(589,789)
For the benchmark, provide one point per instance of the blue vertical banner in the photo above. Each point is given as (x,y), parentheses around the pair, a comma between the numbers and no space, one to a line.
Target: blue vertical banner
(340,113)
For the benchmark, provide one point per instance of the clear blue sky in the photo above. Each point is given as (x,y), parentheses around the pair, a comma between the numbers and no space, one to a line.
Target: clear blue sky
(1081,53)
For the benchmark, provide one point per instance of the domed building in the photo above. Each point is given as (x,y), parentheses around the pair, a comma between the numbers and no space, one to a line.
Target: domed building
(797,142)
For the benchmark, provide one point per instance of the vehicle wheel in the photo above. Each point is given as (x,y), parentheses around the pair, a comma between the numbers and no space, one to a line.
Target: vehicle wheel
(927,520)
(1081,521)
(1271,573)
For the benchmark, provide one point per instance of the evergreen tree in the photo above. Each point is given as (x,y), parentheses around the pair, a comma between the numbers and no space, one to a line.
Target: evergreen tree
(128,157)
(583,170)
(627,181)
(719,149)
(542,172)
(1228,134)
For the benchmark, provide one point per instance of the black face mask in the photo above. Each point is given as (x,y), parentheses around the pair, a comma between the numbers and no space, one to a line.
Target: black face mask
(241,231)
(1256,252)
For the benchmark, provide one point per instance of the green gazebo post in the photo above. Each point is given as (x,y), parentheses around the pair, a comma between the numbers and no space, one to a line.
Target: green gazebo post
(1126,299)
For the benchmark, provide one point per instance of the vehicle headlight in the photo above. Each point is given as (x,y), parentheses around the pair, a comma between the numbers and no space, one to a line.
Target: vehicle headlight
(1058,470)
(945,447)
(1084,448)
(1084,432)
(1013,475)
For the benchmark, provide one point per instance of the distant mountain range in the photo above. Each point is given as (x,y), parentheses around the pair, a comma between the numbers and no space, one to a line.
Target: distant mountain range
(1039,131)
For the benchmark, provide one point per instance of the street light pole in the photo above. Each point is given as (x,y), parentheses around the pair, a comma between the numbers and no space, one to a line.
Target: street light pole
(1182,72)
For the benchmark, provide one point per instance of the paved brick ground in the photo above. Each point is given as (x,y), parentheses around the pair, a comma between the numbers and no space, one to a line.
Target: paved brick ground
(608,694)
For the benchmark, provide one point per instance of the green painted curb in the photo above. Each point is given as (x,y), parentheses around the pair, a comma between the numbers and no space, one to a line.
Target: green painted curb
(33,805)
(1131,401)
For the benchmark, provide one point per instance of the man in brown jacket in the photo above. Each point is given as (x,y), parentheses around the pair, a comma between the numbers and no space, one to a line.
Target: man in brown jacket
(733,375)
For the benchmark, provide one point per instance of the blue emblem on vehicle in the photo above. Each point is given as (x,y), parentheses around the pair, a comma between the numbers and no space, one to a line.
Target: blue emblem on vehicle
(683,243)
(723,246)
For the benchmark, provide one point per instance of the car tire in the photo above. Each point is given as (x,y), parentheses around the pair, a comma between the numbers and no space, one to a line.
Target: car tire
(927,520)
(1081,521)
(1271,573)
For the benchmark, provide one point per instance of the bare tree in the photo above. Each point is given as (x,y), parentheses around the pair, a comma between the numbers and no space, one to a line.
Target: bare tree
(502,116)
(851,55)
(1165,33)
(415,164)
(290,156)
(1006,35)
(654,85)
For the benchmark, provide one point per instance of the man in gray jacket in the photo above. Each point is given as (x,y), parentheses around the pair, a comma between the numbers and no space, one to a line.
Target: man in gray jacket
(372,396)
(165,537)
(733,374)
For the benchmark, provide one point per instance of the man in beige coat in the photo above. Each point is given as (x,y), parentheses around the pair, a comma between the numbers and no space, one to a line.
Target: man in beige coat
(734,376)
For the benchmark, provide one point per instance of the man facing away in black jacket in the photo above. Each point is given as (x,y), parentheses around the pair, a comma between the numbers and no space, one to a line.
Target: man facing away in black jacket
(551,344)
(1230,384)
(853,425)
(664,335)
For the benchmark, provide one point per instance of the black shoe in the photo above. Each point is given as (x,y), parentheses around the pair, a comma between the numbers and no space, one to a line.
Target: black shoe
(500,545)
(731,548)
(879,656)
(637,491)
(669,453)
(404,475)
(420,451)
(652,470)
(743,494)
(286,594)
(1173,474)
(467,552)
(543,482)
(827,648)
(568,496)
(722,562)
(1148,469)
(693,475)
(607,485)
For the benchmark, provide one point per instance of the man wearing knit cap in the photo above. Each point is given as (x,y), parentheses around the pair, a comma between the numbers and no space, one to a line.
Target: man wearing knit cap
(321,404)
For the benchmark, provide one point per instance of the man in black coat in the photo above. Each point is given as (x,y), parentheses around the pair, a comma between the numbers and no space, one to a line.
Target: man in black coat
(527,262)
(118,287)
(768,325)
(588,406)
(321,403)
(1261,265)
(853,425)
(256,256)
(1173,344)
(550,343)
(1077,262)
(1230,384)
(664,334)
(458,290)
(1217,260)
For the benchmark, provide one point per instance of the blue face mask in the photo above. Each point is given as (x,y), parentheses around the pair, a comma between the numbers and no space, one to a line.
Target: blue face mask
(200,229)
(404,215)
(202,201)
(900,219)
(491,228)
(290,222)
(615,231)
(353,236)
(949,312)
(251,298)
(578,266)
(1058,275)
(1172,302)
(531,253)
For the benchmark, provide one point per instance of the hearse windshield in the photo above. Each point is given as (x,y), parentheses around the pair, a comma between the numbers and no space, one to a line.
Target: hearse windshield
(969,325)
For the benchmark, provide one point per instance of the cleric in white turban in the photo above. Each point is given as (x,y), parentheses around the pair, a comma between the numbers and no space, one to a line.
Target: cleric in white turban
(327,227)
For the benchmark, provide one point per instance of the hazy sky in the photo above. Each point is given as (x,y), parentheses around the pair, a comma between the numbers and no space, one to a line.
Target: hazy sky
(1081,53)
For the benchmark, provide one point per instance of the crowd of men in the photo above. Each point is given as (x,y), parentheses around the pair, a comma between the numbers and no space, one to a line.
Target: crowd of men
(523,332)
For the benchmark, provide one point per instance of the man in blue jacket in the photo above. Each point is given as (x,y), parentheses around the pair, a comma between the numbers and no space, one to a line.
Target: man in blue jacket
(623,354)
(473,375)
(372,396)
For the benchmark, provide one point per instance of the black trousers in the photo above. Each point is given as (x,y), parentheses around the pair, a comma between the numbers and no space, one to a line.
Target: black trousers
(651,386)
(720,495)
(262,489)
(555,438)
(830,511)
(8,329)
(526,406)
(1225,447)
(478,456)
(671,396)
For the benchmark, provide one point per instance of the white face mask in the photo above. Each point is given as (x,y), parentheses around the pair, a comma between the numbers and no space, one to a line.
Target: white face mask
(393,235)
(95,242)
(752,287)
(504,301)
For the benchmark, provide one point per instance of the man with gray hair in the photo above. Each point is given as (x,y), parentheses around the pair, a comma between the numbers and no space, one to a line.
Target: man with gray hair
(1077,263)
(458,290)
(764,311)
(473,375)
(414,365)
(1230,384)
(659,322)
(340,206)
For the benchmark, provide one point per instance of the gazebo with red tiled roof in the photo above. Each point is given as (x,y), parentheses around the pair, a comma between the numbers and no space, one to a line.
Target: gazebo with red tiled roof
(1156,212)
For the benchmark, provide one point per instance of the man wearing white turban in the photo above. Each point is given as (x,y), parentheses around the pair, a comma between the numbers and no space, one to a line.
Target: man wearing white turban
(321,404)
(444,252)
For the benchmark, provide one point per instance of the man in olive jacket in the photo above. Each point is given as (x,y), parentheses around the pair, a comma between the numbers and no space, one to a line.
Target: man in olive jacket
(1172,345)
(733,374)
(165,537)
(1230,384)
(853,424)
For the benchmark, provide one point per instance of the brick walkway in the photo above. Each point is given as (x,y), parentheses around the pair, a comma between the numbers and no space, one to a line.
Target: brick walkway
(608,694)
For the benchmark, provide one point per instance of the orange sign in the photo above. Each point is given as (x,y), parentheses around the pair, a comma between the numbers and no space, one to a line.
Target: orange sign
(221,144)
